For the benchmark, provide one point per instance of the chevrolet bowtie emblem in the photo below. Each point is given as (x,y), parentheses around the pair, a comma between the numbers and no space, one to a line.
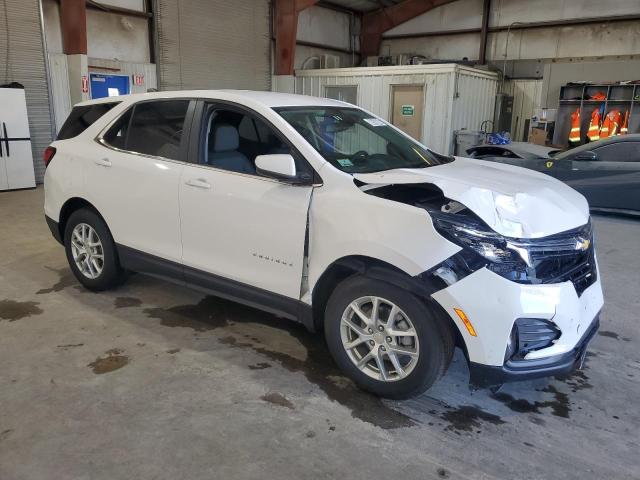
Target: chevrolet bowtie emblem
(583,244)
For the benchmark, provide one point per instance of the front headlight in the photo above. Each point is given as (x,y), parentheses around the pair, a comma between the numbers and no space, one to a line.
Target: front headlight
(492,250)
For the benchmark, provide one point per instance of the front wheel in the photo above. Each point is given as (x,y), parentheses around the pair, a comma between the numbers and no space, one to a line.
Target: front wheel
(386,339)
(91,251)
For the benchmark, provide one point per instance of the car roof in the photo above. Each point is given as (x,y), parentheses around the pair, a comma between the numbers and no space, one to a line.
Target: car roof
(268,99)
(632,137)
(522,149)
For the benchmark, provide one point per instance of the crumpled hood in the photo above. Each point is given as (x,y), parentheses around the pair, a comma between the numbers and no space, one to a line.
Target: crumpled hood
(513,201)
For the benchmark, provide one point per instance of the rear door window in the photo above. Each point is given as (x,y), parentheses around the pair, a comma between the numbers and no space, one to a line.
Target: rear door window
(156,128)
(82,118)
(151,128)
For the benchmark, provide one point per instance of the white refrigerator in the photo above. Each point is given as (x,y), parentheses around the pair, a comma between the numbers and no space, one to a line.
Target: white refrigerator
(16,160)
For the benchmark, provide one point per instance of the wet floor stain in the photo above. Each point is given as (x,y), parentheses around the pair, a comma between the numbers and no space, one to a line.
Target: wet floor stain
(204,316)
(65,279)
(70,345)
(468,418)
(443,473)
(608,334)
(12,310)
(112,360)
(560,406)
(260,366)
(127,302)
(577,381)
(318,368)
(173,351)
(5,434)
(278,399)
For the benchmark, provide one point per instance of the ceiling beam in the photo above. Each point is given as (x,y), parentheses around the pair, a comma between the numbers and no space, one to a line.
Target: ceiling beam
(374,24)
(73,22)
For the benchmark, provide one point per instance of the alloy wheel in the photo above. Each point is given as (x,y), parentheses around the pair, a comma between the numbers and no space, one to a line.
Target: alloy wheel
(87,250)
(379,338)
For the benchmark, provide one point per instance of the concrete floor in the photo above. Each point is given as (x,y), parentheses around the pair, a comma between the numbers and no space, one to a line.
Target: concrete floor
(157,381)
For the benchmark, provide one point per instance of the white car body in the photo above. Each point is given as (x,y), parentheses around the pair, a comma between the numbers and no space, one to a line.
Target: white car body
(257,232)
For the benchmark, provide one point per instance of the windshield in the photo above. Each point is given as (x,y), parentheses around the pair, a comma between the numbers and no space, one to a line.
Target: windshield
(355,142)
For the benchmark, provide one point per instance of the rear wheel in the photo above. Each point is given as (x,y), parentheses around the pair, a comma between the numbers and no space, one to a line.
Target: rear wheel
(91,251)
(386,339)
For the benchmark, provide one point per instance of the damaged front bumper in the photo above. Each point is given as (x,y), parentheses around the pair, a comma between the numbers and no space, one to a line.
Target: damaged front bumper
(517,370)
(493,304)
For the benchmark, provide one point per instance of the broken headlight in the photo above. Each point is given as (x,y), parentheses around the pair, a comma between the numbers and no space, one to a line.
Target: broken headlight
(483,247)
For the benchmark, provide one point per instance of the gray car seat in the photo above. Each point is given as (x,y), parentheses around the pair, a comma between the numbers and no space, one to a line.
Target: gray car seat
(223,150)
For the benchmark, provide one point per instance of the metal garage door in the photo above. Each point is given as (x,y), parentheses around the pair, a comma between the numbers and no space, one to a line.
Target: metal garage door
(213,44)
(24,55)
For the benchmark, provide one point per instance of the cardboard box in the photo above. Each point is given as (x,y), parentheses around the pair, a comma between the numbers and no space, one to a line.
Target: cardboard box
(538,136)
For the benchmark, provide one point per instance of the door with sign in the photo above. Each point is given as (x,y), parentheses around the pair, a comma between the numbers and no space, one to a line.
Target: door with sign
(407,104)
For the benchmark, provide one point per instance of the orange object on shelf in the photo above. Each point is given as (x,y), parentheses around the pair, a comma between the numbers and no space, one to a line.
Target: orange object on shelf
(594,126)
(624,128)
(598,96)
(610,124)
(574,133)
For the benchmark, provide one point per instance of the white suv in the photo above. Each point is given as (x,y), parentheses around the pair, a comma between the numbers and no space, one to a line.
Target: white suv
(321,212)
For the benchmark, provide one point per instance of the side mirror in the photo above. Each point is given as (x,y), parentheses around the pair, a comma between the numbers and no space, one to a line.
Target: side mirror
(281,166)
(586,156)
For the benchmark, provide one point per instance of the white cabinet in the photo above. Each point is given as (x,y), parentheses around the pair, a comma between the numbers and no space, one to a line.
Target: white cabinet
(16,160)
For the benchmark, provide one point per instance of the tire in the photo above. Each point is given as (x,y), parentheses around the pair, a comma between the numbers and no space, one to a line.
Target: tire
(434,345)
(111,274)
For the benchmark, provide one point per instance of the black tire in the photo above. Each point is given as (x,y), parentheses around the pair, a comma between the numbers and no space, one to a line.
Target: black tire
(112,274)
(434,336)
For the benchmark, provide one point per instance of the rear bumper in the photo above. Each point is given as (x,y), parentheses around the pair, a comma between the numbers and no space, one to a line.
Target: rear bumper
(512,371)
(54,228)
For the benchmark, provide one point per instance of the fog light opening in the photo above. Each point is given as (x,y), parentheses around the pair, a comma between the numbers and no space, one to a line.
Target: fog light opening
(465,320)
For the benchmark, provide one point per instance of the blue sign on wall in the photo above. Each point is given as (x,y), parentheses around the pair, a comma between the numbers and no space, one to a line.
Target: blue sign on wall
(108,85)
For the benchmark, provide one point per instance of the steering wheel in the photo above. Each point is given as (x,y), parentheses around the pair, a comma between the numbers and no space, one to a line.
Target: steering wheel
(360,154)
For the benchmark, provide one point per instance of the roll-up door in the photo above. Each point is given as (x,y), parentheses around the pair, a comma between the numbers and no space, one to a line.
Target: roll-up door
(24,56)
(209,44)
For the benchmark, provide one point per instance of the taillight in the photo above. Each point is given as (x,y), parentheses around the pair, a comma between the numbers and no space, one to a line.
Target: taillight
(49,152)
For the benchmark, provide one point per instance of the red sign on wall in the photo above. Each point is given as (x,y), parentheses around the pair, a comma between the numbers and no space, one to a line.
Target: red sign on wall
(138,79)
(85,84)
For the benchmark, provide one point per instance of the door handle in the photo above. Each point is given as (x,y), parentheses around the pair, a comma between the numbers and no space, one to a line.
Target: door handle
(198,183)
(103,162)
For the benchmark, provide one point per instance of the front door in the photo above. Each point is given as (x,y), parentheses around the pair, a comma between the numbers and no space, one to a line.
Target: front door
(236,224)
(407,102)
(133,177)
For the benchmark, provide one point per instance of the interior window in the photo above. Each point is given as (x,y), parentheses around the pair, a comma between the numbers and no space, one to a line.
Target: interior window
(155,129)
(619,152)
(234,139)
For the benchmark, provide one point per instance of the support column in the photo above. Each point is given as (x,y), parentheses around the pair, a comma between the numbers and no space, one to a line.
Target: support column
(286,31)
(73,20)
(486,10)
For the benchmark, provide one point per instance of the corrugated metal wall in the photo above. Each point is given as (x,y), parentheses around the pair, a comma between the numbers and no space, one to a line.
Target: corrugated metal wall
(527,96)
(213,44)
(474,101)
(26,64)
(473,104)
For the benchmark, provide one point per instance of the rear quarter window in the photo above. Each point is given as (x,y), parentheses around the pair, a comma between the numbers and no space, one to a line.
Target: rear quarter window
(82,118)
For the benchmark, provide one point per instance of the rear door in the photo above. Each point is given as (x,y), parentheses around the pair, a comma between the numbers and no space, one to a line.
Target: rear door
(612,180)
(134,172)
(240,229)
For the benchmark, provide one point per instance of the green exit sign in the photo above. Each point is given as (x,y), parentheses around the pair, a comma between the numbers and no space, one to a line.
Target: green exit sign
(408,110)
